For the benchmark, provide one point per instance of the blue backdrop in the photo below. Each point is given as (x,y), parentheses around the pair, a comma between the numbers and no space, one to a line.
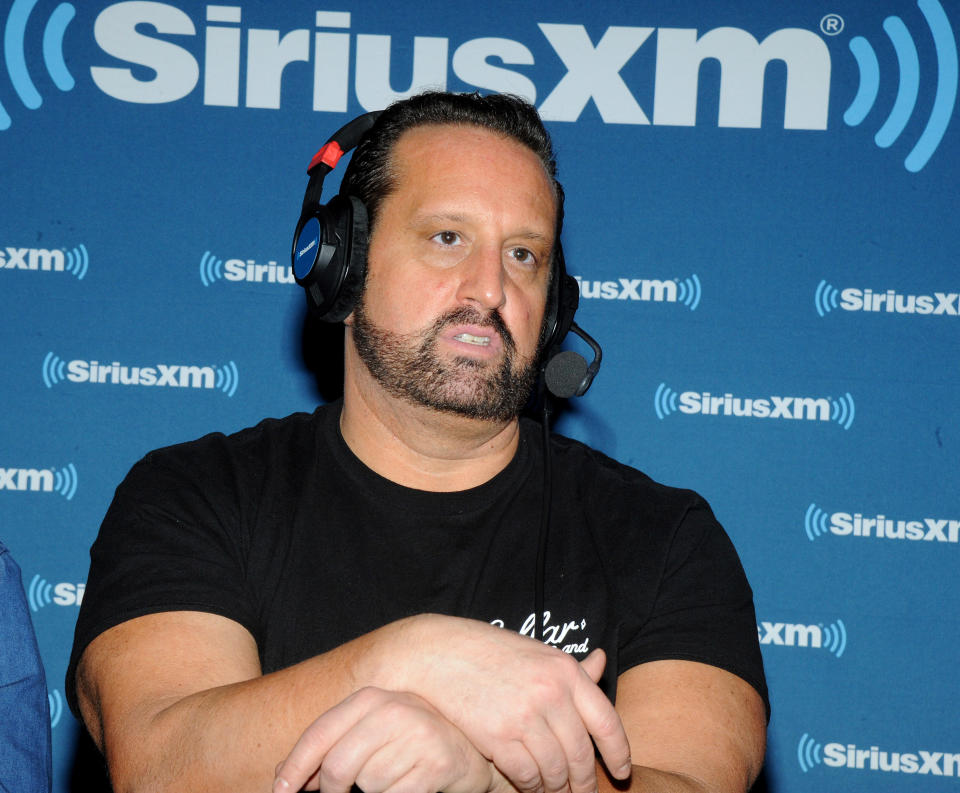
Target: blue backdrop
(762,214)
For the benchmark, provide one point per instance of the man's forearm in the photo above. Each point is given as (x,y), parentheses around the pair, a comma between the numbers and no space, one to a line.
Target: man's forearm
(158,735)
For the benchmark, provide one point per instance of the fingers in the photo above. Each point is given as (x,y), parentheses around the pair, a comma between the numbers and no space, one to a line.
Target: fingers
(383,741)
(594,664)
(301,765)
(517,764)
(601,719)
(578,764)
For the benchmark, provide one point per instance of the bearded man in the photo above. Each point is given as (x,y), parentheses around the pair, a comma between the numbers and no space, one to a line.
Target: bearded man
(346,598)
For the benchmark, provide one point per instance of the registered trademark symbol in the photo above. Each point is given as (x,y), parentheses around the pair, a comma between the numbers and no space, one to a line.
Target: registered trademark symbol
(832,24)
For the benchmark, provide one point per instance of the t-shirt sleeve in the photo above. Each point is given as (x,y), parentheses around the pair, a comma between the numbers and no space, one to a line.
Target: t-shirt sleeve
(171,541)
(703,606)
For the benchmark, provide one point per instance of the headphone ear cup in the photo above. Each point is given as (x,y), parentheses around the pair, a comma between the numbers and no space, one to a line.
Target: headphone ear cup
(352,226)
(562,304)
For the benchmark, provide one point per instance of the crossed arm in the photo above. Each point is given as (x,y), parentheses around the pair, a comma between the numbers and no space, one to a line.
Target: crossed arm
(177,701)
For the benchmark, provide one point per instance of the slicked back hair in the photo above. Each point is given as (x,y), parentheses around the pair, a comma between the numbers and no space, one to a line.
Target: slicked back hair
(371,176)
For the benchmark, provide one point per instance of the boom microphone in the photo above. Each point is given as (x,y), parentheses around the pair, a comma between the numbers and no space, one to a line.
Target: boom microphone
(567,373)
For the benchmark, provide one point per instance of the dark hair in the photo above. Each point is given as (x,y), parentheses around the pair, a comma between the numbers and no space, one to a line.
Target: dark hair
(370,176)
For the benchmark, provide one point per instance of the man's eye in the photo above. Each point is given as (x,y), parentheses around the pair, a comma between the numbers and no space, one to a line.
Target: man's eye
(447,237)
(523,256)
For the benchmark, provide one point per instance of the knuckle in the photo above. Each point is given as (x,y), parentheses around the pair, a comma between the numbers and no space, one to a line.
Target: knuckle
(522,772)
(369,695)
(582,753)
(444,765)
(555,774)
(333,777)
(608,723)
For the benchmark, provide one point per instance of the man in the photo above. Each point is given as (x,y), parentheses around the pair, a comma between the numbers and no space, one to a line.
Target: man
(334,599)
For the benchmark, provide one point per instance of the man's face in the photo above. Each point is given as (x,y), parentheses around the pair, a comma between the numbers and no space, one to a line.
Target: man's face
(458,266)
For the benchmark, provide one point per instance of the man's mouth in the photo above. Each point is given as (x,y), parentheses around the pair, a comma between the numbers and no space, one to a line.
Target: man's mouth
(469,338)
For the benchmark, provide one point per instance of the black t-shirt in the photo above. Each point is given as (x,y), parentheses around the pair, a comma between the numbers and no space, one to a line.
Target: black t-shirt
(283,530)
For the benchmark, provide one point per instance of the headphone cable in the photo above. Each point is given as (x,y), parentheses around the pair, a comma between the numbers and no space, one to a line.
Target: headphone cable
(544,524)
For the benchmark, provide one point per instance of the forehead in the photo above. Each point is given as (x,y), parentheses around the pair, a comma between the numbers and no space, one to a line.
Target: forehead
(470,161)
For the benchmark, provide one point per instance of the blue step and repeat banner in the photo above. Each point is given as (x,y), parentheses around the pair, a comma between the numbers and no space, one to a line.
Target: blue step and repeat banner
(762,216)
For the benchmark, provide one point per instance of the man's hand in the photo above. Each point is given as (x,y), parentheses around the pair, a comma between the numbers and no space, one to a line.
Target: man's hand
(529,708)
(385,742)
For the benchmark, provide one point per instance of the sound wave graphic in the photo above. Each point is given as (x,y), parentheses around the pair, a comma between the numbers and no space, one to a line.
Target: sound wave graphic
(908,63)
(689,291)
(210,268)
(55,701)
(38,593)
(227,378)
(52,369)
(664,401)
(65,481)
(815,522)
(835,638)
(78,261)
(15,57)
(842,410)
(825,298)
(808,753)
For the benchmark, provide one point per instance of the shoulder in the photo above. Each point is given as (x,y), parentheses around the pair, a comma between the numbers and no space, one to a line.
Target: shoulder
(596,477)
(267,443)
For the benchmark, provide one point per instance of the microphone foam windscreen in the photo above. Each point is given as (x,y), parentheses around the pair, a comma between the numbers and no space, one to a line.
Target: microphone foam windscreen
(565,373)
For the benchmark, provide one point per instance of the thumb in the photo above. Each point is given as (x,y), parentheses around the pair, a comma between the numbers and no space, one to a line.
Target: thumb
(594,664)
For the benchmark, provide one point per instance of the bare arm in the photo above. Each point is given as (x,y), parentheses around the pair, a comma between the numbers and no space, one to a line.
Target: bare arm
(693,728)
(176,700)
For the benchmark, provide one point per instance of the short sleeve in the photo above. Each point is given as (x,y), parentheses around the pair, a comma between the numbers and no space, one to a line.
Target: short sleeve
(703,605)
(171,541)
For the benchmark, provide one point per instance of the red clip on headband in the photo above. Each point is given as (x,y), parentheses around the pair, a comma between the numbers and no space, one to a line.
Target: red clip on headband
(329,154)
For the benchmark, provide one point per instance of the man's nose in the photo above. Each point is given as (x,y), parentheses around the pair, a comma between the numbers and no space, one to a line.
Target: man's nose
(482,279)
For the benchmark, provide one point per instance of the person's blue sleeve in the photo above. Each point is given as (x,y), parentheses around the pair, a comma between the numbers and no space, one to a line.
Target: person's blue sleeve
(25,758)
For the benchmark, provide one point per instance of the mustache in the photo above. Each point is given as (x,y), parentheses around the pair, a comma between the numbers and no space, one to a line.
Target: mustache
(466,315)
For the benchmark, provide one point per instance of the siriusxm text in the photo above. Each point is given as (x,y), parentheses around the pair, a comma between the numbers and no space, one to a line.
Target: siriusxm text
(67,594)
(774,407)
(629,289)
(789,634)
(892,302)
(144,34)
(27,479)
(844,524)
(251,272)
(42,259)
(838,755)
(172,375)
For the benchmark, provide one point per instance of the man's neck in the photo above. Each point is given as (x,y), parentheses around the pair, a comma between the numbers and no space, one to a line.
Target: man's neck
(420,447)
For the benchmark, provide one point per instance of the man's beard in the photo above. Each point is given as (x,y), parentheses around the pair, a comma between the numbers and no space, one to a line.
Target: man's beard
(410,367)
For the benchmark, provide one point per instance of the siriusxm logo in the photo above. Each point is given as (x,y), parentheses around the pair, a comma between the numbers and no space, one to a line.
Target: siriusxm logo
(909,86)
(64,593)
(15,58)
(666,401)
(55,701)
(818,523)
(137,34)
(42,480)
(810,753)
(223,378)
(687,291)
(832,638)
(213,269)
(56,260)
(826,298)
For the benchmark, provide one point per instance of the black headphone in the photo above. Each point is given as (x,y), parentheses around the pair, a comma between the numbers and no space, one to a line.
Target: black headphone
(329,259)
